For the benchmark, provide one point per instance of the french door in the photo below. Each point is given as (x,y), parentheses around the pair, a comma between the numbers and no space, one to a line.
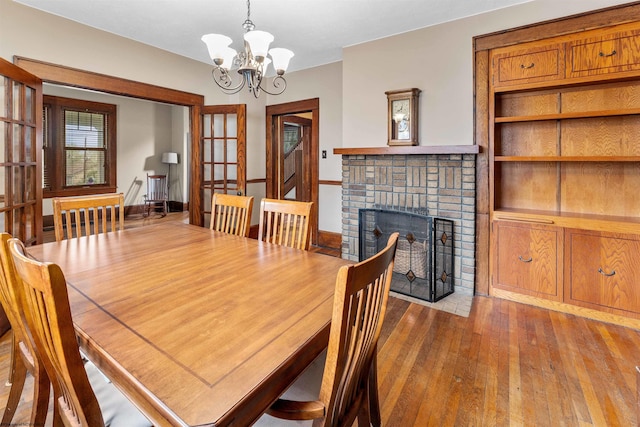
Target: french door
(221,154)
(20,153)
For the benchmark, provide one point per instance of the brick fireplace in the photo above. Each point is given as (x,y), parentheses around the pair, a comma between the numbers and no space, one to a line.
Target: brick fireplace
(434,181)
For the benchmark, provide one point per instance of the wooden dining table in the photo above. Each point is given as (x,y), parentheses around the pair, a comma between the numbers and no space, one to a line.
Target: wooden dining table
(196,327)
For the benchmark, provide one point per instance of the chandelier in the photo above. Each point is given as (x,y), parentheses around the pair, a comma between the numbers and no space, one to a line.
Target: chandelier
(251,63)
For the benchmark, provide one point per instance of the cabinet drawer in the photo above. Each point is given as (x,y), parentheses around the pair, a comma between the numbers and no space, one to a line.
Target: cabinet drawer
(603,270)
(527,259)
(528,65)
(613,53)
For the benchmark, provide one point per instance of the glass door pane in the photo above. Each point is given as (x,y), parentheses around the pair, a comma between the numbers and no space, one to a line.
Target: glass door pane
(222,154)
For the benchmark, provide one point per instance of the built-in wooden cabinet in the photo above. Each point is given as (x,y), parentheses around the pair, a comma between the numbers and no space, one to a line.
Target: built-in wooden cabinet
(565,170)
(527,258)
(604,52)
(533,62)
(603,271)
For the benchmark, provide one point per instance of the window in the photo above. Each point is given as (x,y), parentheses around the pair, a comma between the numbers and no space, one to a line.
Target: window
(79,147)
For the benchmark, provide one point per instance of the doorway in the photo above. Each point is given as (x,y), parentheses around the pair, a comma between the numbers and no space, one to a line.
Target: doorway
(292,142)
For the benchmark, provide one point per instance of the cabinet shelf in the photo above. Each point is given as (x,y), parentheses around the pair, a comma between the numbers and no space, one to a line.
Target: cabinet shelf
(572,115)
(567,158)
(573,219)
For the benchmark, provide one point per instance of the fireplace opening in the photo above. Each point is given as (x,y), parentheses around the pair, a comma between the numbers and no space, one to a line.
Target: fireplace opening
(424,256)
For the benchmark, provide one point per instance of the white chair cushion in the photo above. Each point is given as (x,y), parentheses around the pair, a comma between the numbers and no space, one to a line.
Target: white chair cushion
(116,409)
(305,388)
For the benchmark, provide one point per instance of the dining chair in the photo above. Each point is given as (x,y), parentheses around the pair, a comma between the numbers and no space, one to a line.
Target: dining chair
(157,195)
(231,214)
(23,356)
(285,223)
(359,307)
(87,215)
(45,303)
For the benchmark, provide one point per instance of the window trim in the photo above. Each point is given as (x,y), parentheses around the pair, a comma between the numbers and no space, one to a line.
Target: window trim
(54,152)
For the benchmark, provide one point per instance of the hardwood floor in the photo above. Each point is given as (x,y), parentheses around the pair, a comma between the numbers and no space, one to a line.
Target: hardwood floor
(506,364)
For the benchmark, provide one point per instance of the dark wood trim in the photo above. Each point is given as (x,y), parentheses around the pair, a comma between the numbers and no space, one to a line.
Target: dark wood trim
(560,26)
(272,113)
(329,182)
(481,135)
(256,181)
(328,239)
(67,76)
(415,149)
(60,74)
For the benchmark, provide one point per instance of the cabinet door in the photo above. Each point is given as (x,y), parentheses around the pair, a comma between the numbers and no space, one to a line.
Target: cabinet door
(612,53)
(603,271)
(527,65)
(527,258)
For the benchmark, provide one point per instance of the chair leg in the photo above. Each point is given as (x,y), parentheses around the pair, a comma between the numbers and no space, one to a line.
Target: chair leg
(374,401)
(18,375)
(364,413)
(41,392)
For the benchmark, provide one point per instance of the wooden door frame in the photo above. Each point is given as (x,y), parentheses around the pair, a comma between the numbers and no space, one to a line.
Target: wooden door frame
(272,112)
(67,76)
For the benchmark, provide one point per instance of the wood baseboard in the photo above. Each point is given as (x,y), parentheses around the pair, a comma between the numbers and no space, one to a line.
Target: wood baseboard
(328,239)
(567,308)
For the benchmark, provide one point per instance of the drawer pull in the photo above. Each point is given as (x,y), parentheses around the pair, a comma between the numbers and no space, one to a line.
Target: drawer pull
(525,260)
(526,67)
(606,55)
(601,271)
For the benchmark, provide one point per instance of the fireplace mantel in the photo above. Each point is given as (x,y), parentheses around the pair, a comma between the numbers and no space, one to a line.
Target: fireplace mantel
(409,149)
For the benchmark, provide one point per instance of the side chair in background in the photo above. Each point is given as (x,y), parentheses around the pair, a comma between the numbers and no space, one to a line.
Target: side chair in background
(285,223)
(231,214)
(87,215)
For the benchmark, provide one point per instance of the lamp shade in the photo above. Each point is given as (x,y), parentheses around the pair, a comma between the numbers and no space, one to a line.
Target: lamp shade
(281,58)
(217,44)
(170,158)
(259,42)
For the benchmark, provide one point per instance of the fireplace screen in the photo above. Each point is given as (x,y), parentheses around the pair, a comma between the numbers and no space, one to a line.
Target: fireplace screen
(424,257)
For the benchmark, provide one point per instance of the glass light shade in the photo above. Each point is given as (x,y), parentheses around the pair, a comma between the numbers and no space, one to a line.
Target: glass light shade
(281,58)
(258,42)
(227,58)
(216,44)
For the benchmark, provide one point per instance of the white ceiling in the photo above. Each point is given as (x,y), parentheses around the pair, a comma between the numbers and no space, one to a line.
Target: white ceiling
(316,30)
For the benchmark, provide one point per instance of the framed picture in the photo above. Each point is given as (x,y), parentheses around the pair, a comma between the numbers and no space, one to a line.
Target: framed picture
(402,116)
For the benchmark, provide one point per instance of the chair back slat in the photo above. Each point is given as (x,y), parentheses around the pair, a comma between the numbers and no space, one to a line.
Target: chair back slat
(285,223)
(156,188)
(157,196)
(360,304)
(87,215)
(48,315)
(231,214)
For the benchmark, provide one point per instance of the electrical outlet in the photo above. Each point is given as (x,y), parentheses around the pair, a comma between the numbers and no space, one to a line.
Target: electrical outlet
(324,154)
